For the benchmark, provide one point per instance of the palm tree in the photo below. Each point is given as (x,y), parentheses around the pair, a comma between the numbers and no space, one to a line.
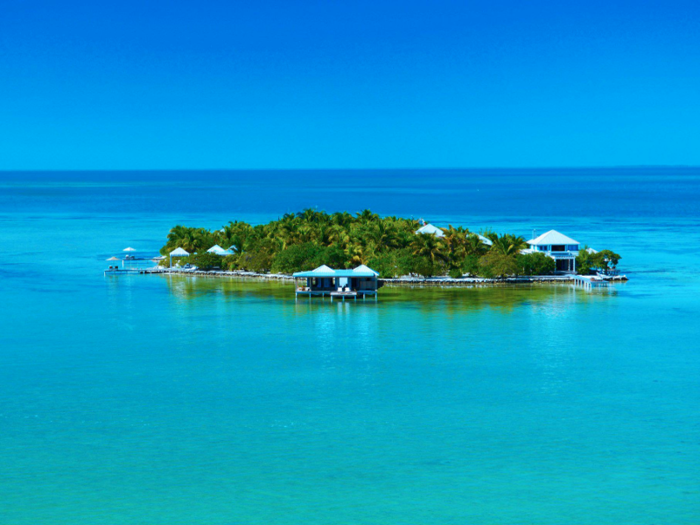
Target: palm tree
(384,234)
(508,244)
(490,235)
(455,237)
(342,218)
(404,238)
(429,246)
(194,240)
(310,215)
(338,236)
(175,236)
(322,234)
(287,233)
(473,245)
(305,233)
(359,254)
(367,216)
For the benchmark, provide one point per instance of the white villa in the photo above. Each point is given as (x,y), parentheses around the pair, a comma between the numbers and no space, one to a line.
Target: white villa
(559,247)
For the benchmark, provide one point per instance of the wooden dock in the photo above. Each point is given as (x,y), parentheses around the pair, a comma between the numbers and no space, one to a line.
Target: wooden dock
(133,271)
(334,294)
(590,281)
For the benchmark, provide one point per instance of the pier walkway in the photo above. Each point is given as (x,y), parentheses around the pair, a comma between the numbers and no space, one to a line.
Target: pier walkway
(589,281)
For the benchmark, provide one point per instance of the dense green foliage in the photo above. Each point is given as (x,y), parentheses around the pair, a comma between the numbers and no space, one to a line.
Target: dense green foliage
(204,261)
(588,262)
(310,238)
(535,264)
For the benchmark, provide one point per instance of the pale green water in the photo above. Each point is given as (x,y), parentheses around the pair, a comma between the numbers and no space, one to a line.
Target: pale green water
(162,400)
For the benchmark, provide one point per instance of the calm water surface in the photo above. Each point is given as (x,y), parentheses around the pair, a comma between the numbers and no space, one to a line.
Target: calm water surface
(154,400)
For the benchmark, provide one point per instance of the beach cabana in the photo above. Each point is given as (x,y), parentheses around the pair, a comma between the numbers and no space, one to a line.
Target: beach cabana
(324,281)
(177,252)
(429,229)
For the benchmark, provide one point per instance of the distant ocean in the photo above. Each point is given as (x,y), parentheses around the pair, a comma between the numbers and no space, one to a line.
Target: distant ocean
(156,400)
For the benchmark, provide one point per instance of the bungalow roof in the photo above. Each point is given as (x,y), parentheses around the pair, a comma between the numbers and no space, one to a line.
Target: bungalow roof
(363,271)
(552,237)
(429,229)
(485,240)
(326,271)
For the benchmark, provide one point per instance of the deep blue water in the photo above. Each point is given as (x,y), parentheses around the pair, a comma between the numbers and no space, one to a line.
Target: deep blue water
(178,400)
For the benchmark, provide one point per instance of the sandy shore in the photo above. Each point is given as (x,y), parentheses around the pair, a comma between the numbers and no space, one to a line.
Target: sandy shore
(402,281)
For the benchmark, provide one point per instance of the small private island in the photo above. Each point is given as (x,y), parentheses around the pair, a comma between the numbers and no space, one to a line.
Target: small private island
(341,255)
(348,255)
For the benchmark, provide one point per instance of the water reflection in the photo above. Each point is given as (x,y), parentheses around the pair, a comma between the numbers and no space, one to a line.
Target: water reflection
(448,301)
(350,336)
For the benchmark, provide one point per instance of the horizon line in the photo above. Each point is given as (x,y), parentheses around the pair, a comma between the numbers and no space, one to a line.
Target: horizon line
(108,170)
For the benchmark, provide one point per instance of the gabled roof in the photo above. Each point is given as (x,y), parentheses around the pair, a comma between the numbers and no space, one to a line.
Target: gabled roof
(321,271)
(325,271)
(364,271)
(179,252)
(218,250)
(429,229)
(552,237)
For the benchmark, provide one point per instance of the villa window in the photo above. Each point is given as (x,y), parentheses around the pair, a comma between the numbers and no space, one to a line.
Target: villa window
(558,248)
(572,247)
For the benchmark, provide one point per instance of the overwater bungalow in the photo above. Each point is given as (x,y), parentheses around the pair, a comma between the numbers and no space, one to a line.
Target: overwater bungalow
(325,281)
(559,247)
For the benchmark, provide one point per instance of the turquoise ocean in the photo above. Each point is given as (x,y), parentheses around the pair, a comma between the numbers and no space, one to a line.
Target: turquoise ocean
(178,400)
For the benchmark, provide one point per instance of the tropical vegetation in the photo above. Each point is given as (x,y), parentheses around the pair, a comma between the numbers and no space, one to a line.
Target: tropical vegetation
(389,245)
(590,261)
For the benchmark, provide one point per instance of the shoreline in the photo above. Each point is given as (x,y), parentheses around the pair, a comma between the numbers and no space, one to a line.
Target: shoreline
(464,282)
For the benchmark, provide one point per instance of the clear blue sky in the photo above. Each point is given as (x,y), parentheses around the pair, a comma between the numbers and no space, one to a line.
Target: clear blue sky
(352,84)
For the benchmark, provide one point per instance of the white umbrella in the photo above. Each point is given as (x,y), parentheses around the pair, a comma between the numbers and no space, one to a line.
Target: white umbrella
(129,249)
